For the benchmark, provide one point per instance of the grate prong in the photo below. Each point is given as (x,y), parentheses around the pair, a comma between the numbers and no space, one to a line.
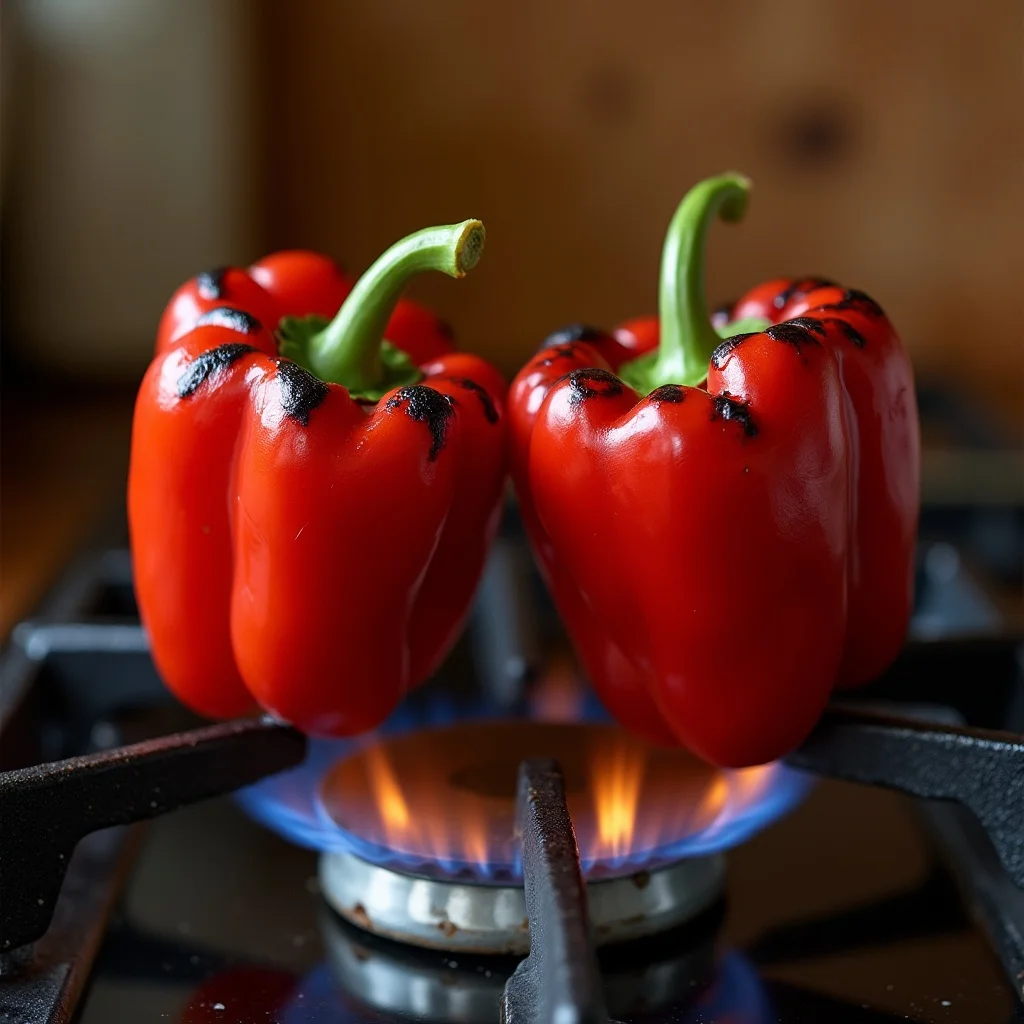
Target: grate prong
(559,982)
(46,809)
(982,769)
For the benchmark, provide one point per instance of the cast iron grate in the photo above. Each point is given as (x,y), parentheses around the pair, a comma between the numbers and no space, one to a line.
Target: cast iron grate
(45,810)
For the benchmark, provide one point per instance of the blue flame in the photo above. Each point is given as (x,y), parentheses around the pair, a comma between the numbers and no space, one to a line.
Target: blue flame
(289,803)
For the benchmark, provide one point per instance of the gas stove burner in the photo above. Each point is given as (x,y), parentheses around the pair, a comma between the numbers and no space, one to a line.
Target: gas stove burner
(433,856)
(480,918)
(439,803)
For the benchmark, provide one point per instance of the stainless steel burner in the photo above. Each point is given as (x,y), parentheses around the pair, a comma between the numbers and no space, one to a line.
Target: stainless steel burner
(477,918)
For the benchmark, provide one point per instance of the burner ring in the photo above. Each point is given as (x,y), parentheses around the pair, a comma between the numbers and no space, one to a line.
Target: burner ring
(492,919)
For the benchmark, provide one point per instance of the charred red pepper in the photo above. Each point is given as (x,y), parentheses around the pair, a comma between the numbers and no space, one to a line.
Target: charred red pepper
(727,523)
(307,532)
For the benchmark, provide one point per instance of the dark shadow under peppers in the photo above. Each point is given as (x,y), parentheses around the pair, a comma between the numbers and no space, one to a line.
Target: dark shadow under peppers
(310,506)
(725,508)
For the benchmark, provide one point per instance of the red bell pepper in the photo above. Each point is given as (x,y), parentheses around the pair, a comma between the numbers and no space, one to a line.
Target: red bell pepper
(307,532)
(727,526)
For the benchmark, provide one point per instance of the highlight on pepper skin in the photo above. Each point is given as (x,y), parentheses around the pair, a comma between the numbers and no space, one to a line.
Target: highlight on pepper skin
(314,484)
(724,507)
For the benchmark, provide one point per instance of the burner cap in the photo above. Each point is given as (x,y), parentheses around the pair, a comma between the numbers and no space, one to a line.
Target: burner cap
(492,919)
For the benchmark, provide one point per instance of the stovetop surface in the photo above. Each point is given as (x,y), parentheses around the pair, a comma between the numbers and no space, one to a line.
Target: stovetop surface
(838,913)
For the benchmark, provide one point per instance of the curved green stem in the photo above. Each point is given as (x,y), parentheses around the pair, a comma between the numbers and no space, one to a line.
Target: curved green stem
(687,338)
(348,350)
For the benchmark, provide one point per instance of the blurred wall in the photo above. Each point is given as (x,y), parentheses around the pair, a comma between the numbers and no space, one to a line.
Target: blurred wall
(146,139)
(884,140)
(128,160)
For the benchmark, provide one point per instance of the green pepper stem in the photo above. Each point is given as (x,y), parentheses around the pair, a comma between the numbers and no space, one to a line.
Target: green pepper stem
(687,337)
(347,350)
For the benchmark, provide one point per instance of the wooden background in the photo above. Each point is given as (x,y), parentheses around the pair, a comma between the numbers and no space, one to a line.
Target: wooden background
(884,140)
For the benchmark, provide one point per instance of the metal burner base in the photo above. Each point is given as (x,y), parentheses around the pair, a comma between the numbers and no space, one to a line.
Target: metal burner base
(478,918)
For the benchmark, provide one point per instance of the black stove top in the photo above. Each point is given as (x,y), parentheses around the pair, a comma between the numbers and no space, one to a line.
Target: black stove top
(841,912)
(862,905)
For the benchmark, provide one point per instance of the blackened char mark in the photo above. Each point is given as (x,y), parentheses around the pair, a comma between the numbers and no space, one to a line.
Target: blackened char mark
(725,407)
(425,405)
(858,301)
(668,393)
(446,330)
(557,354)
(851,332)
(574,332)
(797,332)
(799,287)
(301,392)
(210,283)
(726,348)
(226,316)
(208,363)
(594,383)
(804,323)
(490,413)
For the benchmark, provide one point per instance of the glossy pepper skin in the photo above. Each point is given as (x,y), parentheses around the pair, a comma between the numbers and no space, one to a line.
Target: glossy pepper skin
(732,536)
(310,543)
